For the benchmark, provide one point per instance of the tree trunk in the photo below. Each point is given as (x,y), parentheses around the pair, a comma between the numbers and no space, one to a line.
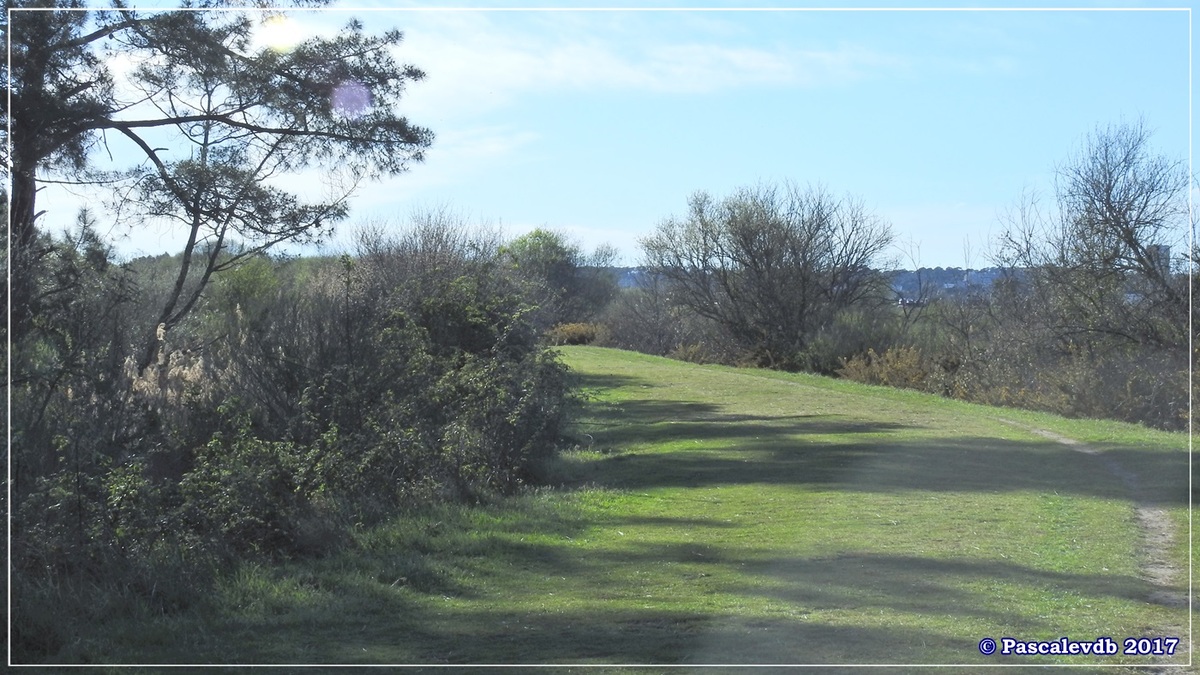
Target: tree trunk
(22,249)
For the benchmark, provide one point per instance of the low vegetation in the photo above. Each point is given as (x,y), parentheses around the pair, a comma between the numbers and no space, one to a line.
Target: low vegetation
(713,515)
(301,401)
(226,455)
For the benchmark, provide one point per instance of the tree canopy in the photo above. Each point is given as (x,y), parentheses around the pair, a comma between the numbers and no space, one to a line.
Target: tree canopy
(567,284)
(234,118)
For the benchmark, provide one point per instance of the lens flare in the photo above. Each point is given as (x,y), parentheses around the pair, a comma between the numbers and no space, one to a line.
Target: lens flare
(351,98)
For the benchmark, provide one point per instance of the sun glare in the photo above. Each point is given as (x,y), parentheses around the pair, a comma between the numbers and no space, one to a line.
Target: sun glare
(279,33)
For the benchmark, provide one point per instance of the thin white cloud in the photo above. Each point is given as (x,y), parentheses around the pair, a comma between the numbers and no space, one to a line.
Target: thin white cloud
(474,64)
(456,155)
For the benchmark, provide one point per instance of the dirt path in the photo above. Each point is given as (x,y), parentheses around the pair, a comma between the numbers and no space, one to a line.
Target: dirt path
(1158,533)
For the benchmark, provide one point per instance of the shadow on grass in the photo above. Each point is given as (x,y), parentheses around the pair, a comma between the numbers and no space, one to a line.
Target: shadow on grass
(490,602)
(868,456)
(903,583)
(972,464)
(597,636)
(600,615)
(388,627)
(681,421)
(664,637)
(590,382)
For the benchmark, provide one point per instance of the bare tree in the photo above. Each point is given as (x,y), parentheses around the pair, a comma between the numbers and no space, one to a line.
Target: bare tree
(1100,263)
(645,318)
(771,265)
(912,306)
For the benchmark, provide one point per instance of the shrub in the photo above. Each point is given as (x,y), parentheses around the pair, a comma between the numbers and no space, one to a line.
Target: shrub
(286,413)
(243,492)
(692,353)
(574,334)
(902,367)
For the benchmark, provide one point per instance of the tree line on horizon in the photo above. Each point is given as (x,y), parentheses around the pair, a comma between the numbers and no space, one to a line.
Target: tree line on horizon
(1085,312)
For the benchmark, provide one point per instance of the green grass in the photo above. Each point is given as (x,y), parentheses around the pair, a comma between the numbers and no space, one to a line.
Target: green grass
(713,515)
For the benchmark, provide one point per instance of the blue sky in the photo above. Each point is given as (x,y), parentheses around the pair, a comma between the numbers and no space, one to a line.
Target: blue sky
(601,124)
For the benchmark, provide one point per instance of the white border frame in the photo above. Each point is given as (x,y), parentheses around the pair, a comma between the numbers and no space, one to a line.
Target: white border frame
(1193,187)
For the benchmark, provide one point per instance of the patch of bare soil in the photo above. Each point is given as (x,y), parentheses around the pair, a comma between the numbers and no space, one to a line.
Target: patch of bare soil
(1158,535)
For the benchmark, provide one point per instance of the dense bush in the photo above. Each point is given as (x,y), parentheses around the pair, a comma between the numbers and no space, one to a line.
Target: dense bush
(563,283)
(301,398)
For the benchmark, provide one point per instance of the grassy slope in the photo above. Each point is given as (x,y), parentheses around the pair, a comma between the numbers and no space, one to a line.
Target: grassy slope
(731,516)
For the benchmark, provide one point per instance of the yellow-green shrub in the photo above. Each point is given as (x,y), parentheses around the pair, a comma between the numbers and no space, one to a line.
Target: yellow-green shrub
(903,367)
(574,333)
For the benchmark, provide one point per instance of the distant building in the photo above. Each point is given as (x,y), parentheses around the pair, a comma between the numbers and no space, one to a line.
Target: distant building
(1160,258)
(985,277)
(630,278)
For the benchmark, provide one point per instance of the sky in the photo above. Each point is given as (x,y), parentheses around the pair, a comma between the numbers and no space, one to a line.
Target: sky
(600,124)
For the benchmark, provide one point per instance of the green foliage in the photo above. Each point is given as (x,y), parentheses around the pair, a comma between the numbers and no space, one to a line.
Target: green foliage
(544,255)
(299,401)
(565,284)
(251,285)
(242,490)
